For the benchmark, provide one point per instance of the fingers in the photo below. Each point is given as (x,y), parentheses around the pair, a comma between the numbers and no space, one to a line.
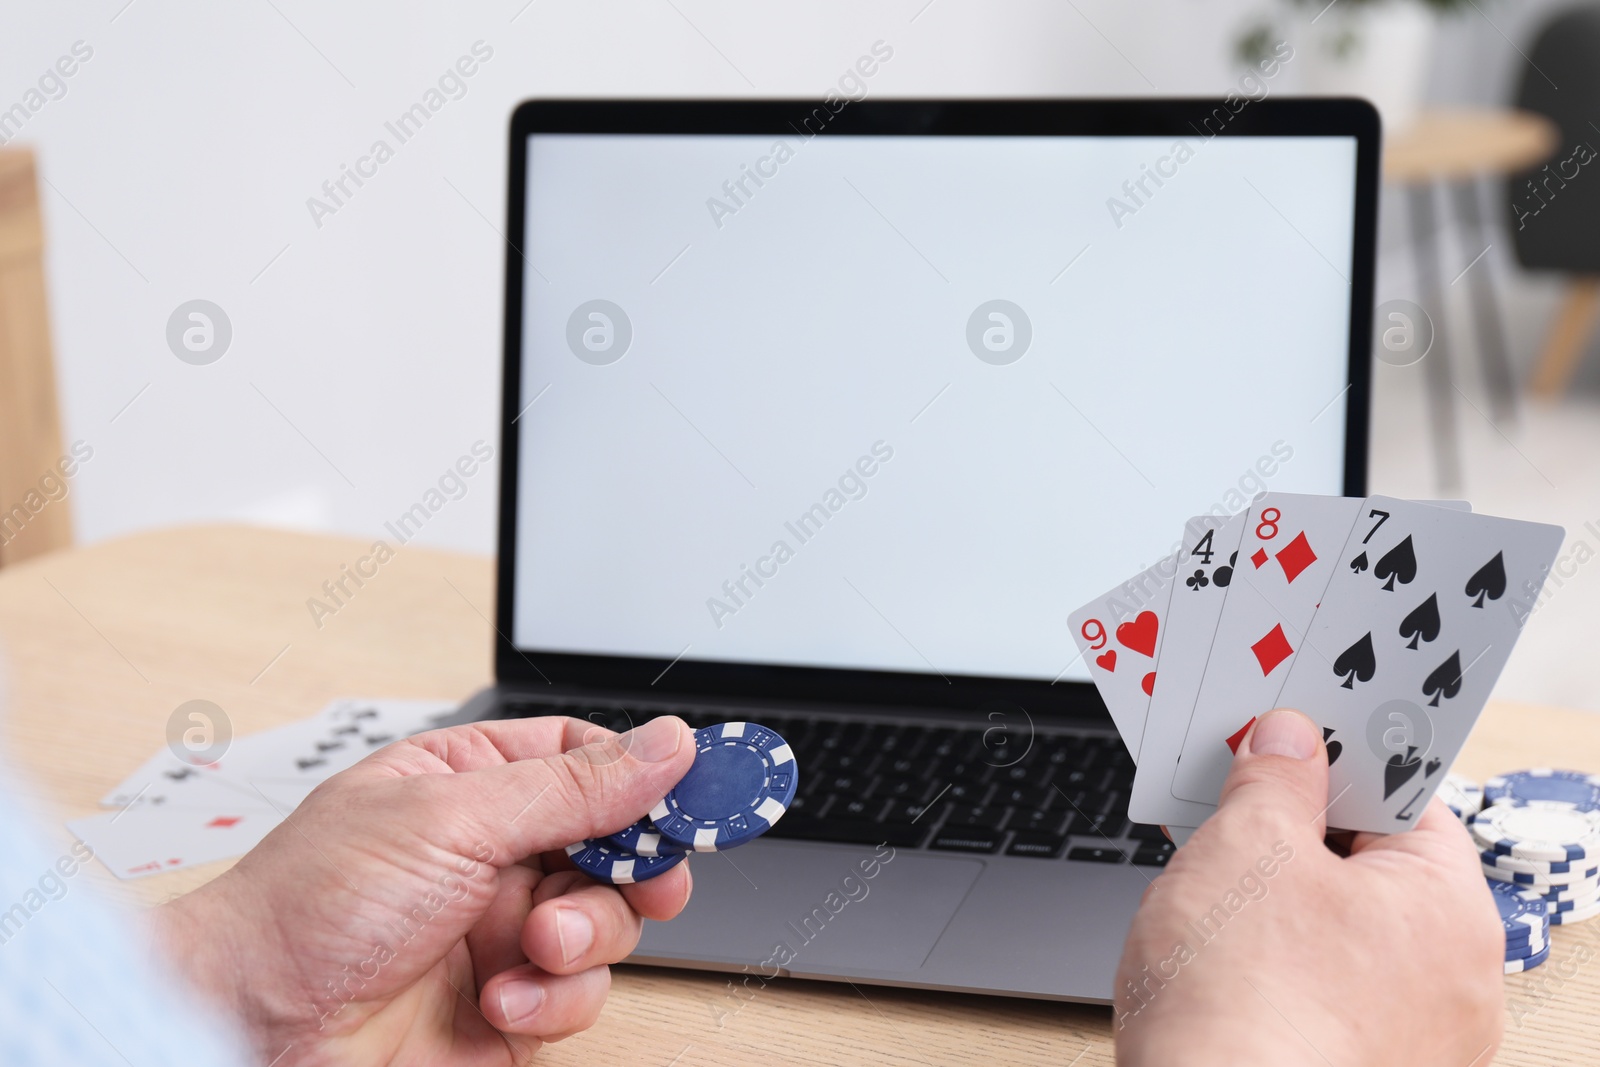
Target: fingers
(1281,771)
(526,1000)
(576,926)
(542,804)
(495,940)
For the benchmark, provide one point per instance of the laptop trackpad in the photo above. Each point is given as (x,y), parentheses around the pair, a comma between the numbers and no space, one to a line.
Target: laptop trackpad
(806,906)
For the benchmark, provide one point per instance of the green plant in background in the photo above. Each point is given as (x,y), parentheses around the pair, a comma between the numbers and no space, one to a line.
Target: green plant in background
(1257,42)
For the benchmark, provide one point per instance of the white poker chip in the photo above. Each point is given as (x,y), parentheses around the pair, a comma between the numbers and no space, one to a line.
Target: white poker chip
(1461,795)
(1577,915)
(1552,835)
(1562,894)
(1556,907)
(1540,883)
(1542,868)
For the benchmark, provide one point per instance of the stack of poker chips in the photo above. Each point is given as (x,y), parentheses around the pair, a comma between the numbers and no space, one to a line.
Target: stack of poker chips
(741,782)
(1538,833)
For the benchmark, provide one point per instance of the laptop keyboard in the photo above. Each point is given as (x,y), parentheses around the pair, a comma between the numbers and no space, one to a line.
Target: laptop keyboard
(941,787)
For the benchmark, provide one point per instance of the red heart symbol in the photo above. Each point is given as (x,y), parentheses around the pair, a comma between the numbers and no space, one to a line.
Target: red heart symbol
(1107,660)
(1140,634)
(1148,683)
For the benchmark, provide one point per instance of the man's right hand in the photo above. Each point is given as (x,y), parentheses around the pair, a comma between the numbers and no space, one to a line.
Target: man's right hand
(1258,945)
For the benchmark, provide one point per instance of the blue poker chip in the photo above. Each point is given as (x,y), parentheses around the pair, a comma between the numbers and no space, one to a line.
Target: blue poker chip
(643,839)
(1543,834)
(741,782)
(1527,963)
(1575,915)
(1544,785)
(618,866)
(1522,952)
(1521,913)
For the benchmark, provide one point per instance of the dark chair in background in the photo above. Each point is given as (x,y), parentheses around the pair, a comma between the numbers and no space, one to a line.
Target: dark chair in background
(1555,209)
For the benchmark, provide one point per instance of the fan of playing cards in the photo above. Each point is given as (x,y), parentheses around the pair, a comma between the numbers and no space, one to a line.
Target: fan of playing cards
(1386,621)
(174,812)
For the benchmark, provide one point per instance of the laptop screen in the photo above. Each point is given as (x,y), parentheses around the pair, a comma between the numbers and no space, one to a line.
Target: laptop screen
(904,402)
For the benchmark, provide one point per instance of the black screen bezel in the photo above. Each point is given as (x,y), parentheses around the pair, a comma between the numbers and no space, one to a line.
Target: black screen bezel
(1036,117)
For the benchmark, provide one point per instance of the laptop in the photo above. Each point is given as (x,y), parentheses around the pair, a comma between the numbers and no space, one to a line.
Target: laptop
(826,416)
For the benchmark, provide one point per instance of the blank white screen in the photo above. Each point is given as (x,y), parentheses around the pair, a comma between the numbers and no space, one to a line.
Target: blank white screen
(1190,345)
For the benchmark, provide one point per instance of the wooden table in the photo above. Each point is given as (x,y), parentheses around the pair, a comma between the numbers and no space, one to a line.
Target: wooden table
(1455,150)
(103,642)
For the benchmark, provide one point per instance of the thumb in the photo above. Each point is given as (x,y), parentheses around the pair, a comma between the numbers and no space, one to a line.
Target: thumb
(541,805)
(1281,772)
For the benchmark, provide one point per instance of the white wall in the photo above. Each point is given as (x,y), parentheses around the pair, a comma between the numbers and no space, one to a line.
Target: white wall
(181,158)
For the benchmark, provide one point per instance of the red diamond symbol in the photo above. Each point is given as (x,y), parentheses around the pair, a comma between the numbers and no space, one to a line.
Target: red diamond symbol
(222,822)
(1237,737)
(1259,558)
(1296,557)
(1272,650)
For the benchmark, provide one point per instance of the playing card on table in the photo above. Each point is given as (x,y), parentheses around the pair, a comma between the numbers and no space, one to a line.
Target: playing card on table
(1416,624)
(1119,635)
(1207,563)
(1286,557)
(148,840)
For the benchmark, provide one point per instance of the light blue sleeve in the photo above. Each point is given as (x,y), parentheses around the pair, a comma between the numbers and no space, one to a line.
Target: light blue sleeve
(78,985)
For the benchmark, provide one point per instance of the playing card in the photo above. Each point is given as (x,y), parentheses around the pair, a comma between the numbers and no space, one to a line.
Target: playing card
(1286,557)
(148,840)
(305,752)
(1207,563)
(1416,624)
(1119,635)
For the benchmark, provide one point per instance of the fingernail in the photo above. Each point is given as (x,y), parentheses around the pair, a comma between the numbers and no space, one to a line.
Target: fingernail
(653,742)
(575,933)
(1284,733)
(519,1000)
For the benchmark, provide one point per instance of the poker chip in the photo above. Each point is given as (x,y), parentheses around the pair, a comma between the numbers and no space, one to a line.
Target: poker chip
(619,866)
(741,782)
(643,839)
(1526,949)
(1511,863)
(1461,795)
(1576,915)
(1562,897)
(1527,963)
(1521,913)
(1544,786)
(1546,834)
(1540,882)
(1556,907)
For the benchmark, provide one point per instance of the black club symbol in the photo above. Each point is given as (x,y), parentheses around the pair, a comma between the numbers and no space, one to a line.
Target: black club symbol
(1197,580)
(1224,575)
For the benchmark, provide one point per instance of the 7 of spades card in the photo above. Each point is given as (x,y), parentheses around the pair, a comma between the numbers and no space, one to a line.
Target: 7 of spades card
(1415,627)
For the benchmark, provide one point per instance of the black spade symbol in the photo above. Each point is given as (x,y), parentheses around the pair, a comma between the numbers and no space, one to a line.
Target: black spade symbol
(1488,581)
(1445,681)
(1223,575)
(1334,747)
(1359,564)
(1397,564)
(1432,767)
(1423,622)
(1357,663)
(1400,770)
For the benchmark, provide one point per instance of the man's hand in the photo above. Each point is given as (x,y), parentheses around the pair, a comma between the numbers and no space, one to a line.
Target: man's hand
(1258,945)
(418,909)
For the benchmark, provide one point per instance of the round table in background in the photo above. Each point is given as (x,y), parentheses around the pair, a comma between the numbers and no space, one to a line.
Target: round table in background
(1456,151)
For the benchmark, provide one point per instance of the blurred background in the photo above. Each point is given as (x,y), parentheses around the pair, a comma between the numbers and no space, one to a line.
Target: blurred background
(355,353)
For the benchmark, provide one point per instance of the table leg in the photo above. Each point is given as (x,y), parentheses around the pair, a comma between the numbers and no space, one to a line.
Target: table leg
(1436,365)
(1486,310)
